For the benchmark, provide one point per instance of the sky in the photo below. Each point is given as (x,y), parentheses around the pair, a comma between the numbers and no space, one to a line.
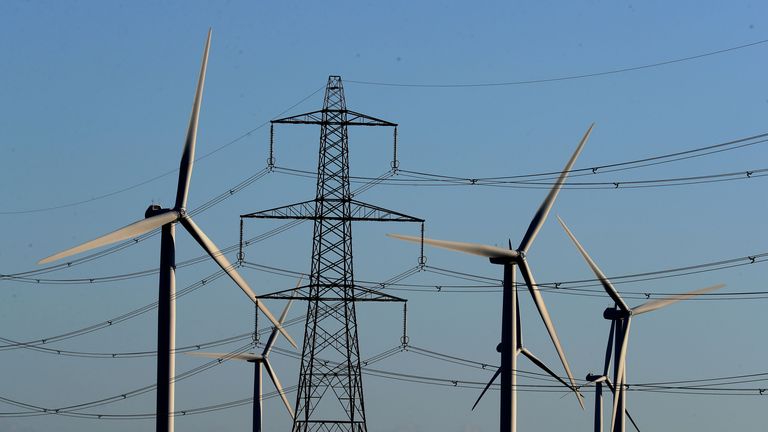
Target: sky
(94,105)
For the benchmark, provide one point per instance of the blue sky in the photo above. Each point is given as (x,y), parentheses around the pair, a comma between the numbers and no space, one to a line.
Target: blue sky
(95,97)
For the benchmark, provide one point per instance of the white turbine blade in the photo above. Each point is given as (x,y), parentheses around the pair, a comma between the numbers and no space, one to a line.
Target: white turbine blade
(541,214)
(660,303)
(607,285)
(278,386)
(542,308)
(188,156)
(124,233)
(223,356)
(544,367)
(273,335)
(487,386)
(470,248)
(224,263)
(626,411)
(619,391)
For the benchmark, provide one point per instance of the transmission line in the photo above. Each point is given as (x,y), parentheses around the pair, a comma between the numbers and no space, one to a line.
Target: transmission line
(165,174)
(567,77)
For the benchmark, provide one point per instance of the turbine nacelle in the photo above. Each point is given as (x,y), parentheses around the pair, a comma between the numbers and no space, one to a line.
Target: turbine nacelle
(596,378)
(154,210)
(613,314)
(503,260)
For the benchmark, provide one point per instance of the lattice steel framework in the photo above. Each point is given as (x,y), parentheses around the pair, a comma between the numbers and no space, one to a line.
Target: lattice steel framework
(330,391)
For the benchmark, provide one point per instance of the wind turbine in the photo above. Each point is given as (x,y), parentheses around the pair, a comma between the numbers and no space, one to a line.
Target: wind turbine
(598,381)
(166,219)
(621,317)
(511,344)
(259,361)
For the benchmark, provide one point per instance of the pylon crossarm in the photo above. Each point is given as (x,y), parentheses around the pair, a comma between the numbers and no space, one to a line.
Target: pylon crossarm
(304,292)
(316,117)
(358,211)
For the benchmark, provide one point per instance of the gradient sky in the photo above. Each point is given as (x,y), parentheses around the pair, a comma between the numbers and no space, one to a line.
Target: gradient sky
(95,98)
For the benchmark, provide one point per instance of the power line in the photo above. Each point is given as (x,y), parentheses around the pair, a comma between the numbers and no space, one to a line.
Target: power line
(159,176)
(488,285)
(538,180)
(713,388)
(125,244)
(441,179)
(567,77)
(533,184)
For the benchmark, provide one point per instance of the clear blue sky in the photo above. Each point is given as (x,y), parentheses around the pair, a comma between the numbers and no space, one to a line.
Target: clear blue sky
(95,97)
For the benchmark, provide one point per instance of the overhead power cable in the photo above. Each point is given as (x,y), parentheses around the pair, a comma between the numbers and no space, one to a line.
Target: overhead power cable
(539,180)
(125,244)
(27,276)
(545,184)
(159,176)
(702,386)
(567,77)
(76,410)
(482,284)
(73,409)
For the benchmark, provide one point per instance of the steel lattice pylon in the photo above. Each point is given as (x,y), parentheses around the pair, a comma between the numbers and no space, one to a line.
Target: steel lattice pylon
(330,390)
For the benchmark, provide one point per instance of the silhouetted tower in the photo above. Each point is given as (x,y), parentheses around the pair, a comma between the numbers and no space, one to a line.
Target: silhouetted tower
(330,391)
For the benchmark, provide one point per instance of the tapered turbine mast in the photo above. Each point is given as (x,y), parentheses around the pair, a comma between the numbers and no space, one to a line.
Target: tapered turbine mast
(621,317)
(511,335)
(259,361)
(166,219)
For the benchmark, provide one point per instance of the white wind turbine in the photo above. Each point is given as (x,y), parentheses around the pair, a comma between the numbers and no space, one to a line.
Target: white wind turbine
(166,219)
(621,317)
(598,381)
(511,343)
(259,361)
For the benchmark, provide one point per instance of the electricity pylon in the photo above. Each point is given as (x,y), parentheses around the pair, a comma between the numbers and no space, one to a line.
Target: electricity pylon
(330,391)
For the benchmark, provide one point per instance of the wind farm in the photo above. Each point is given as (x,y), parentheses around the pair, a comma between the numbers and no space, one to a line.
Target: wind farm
(648,140)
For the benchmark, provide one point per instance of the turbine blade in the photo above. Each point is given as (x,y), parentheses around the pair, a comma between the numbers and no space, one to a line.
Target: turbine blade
(609,349)
(124,233)
(607,285)
(619,390)
(626,411)
(544,367)
(225,265)
(632,420)
(541,214)
(542,308)
(469,248)
(487,386)
(188,156)
(273,335)
(660,303)
(228,356)
(278,386)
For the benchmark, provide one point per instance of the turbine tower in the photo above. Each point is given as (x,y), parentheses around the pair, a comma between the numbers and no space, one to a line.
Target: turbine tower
(166,220)
(330,388)
(621,317)
(598,381)
(511,336)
